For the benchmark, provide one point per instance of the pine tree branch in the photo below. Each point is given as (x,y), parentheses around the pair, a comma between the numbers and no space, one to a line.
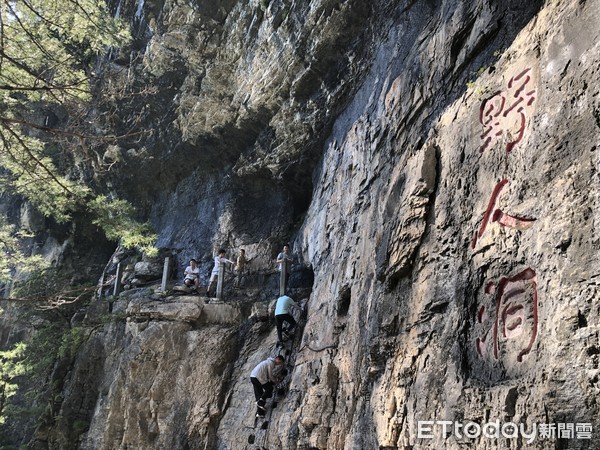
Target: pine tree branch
(36,13)
(56,131)
(47,86)
(40,164)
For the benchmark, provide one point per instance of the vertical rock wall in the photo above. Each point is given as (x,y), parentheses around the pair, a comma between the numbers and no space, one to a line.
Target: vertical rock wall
(468,254)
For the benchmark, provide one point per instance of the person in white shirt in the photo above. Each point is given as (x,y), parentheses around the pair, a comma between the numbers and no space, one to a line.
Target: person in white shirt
(288,258)
(263,381)
(192,275)
(220,258)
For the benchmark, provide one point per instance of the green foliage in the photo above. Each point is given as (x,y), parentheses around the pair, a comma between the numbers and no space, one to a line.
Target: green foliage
(115,218)
(27,369)
(72,340)
(477,87)
(12,256)
(80,426)
(42,350)
(47,52)
(32,373)
(45,59)
(51,285)
(12,366)
(41,282)
(49,45)
(480,89)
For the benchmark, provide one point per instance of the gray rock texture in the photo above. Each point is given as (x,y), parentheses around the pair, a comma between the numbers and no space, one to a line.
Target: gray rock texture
(434,166)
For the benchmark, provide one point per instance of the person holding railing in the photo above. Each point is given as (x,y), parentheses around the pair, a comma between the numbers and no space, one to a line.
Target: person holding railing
(219,259)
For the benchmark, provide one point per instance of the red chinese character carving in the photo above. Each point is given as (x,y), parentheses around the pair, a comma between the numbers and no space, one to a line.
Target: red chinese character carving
(515,316)
(497,215)
(504,112)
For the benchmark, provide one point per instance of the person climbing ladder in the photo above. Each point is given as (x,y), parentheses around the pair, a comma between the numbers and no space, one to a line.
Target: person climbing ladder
(263,381)
(283,314)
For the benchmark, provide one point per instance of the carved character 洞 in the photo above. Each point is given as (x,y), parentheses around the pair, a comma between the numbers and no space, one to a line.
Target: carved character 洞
(513,325)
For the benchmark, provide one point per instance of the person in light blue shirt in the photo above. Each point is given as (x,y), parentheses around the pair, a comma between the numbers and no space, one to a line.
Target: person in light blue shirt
(283,314)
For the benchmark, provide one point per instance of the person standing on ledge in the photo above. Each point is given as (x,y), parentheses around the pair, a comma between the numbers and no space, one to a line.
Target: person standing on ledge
(240,267)
(263,381)
(220,258)
(285,256)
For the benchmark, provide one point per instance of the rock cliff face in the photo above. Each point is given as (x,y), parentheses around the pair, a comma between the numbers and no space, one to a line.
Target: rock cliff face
(435,167)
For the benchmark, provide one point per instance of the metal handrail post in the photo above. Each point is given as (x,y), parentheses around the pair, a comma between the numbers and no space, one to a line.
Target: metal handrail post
(283,276)
(165,276)
(220,281)
(117,288)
